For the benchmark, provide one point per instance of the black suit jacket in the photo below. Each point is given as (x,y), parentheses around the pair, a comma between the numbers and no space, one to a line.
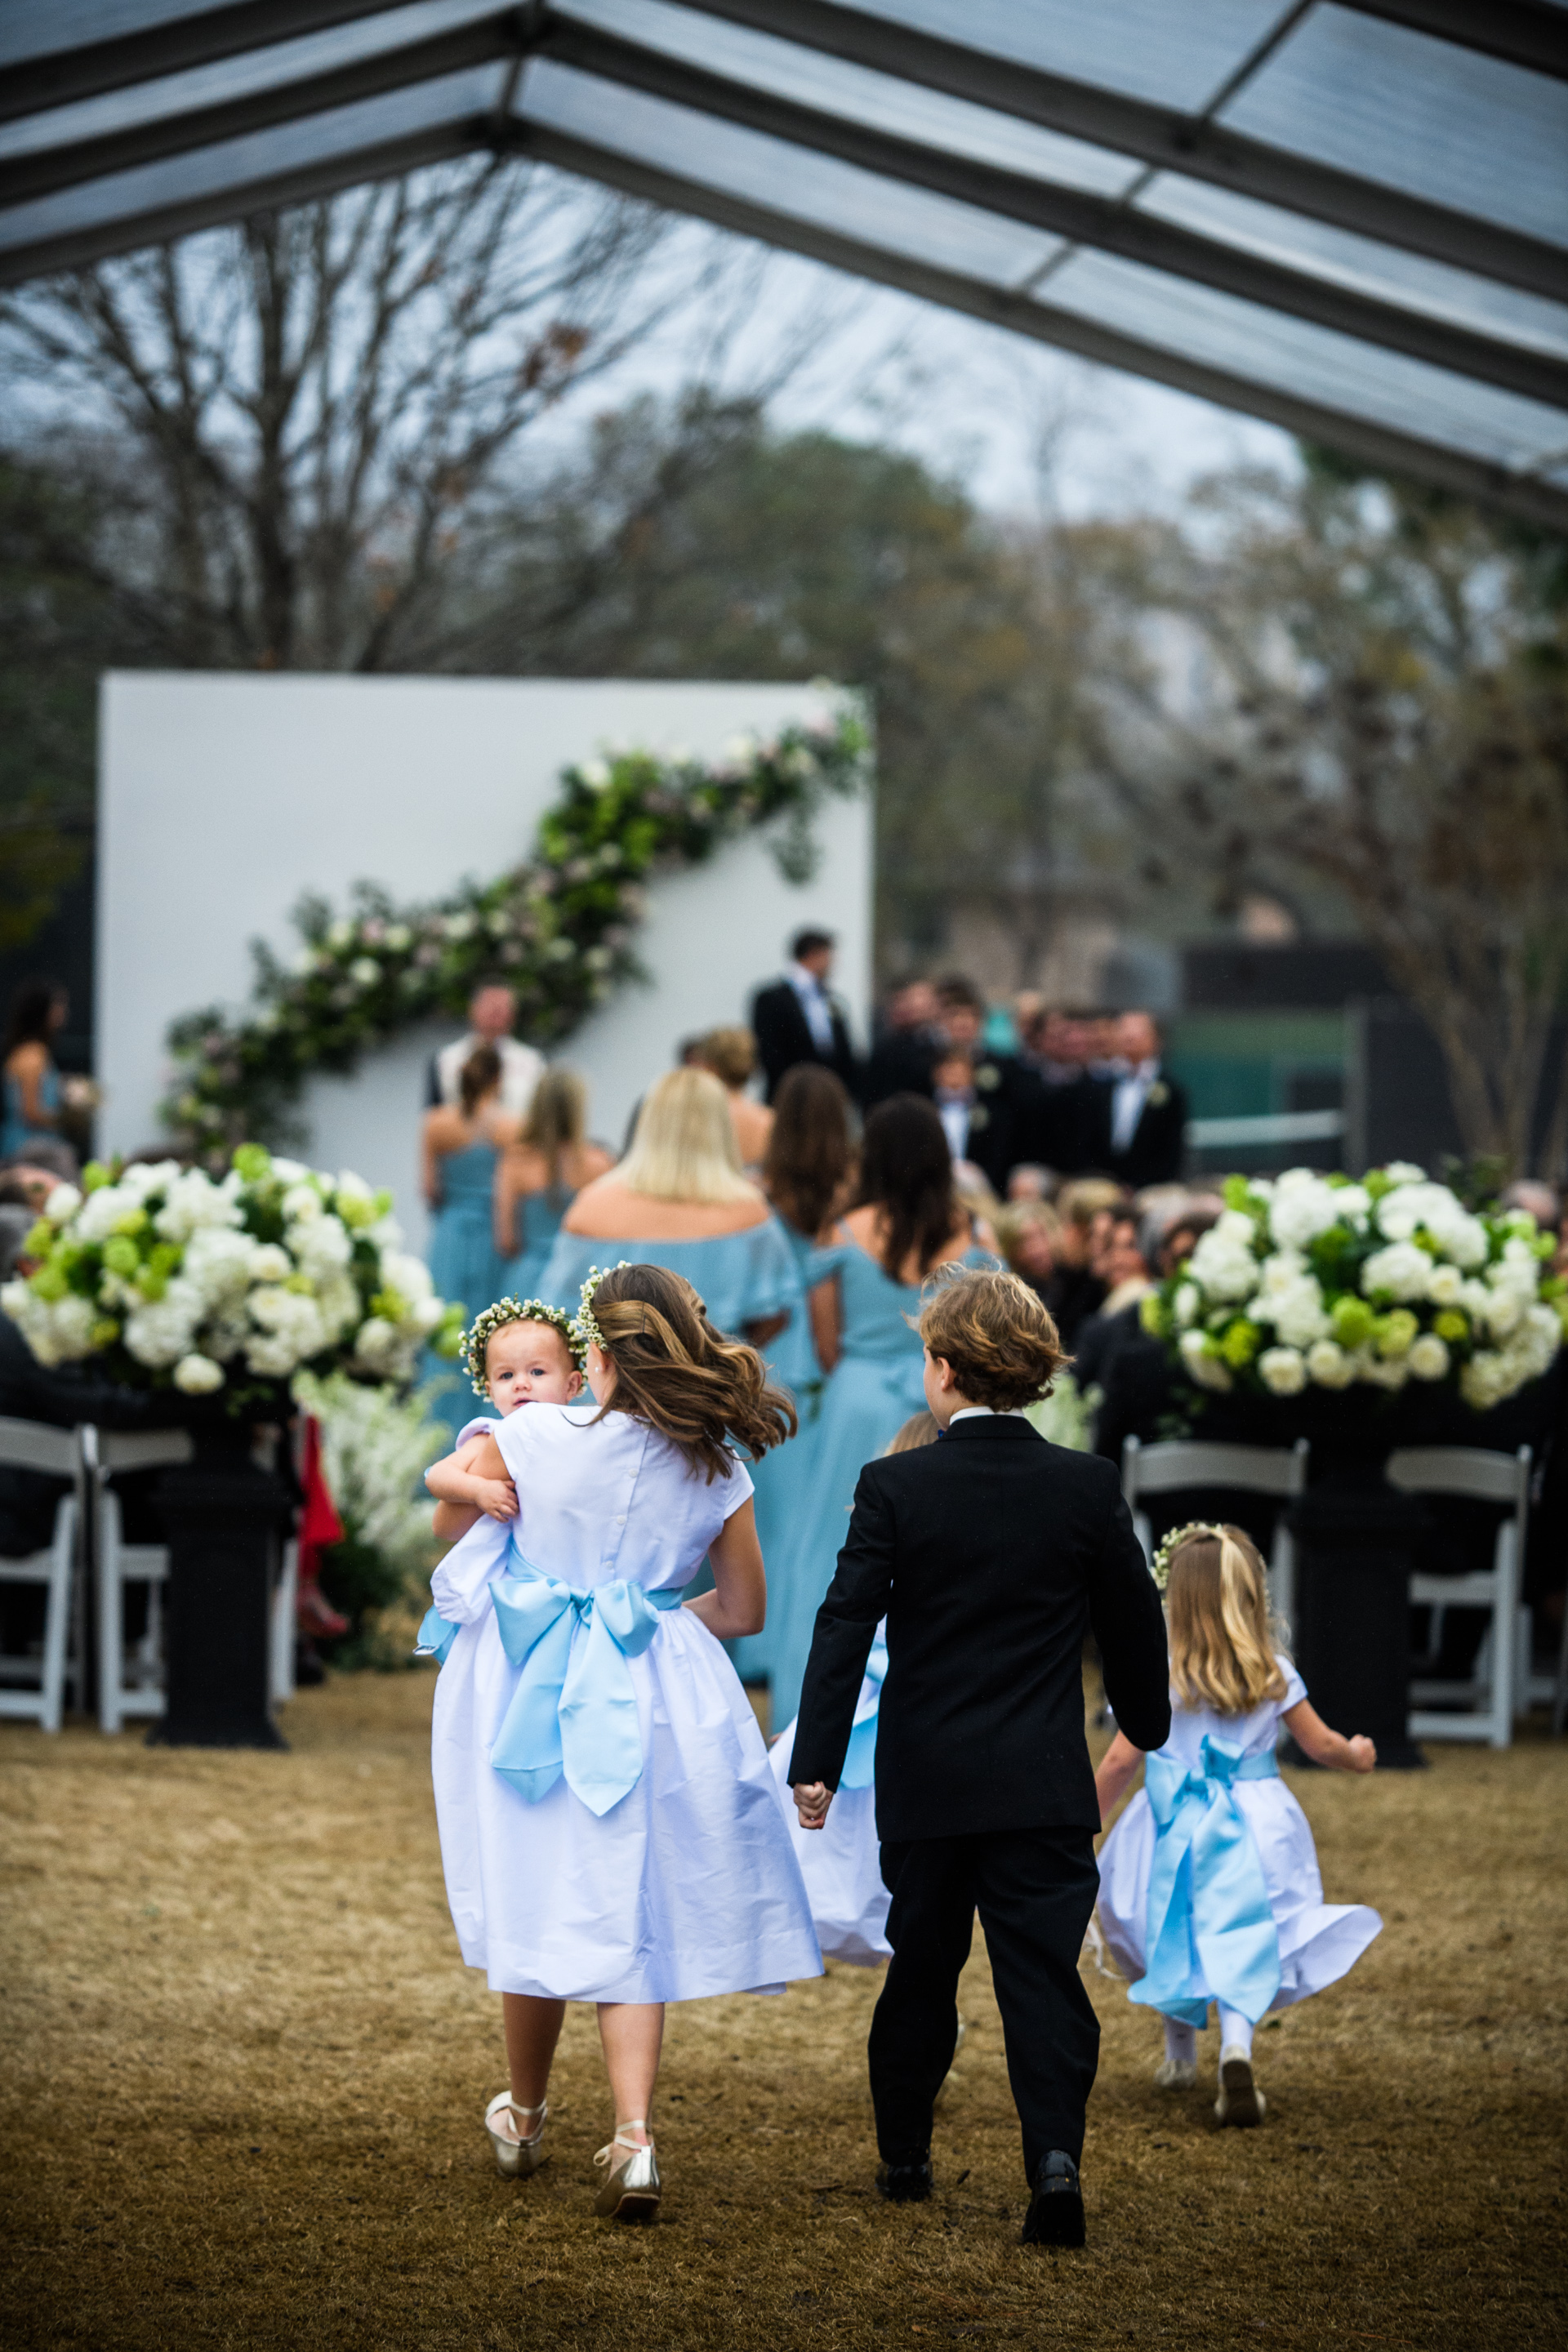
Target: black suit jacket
(991,1554)
(1004,1124)
(1155,1154)
(900,1063)
(33,1392)
(783,1037)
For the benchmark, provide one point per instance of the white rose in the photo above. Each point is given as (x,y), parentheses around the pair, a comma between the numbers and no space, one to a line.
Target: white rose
(62,1204)
(1185,1305)
(1444,1285)
(198,1375)
(1330,1365)
(1403,1270)
(1299,1316)
(1209,1371)
(1303,1207)
(1283,1370)
(268,1263)
(1429,1357)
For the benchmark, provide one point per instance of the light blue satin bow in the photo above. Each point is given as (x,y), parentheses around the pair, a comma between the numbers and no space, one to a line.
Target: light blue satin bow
(436,1636)
(861,1758)
(1209,1924)
(575,1712)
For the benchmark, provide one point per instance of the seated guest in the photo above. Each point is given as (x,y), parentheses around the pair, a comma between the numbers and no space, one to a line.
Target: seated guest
(998,1096)
(1145,1113)
(1026,1234)
(732,1056)
(1075,1290)
(1120,1263)
(796,1020)
(1030,1182)
(905,1047)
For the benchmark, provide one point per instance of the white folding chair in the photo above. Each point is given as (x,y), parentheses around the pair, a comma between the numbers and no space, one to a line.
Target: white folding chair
(1489,1478)
(1181,1465)
(129,1686)
(36,1445)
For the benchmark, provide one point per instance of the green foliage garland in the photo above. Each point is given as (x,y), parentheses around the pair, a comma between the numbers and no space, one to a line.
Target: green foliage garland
(558,929)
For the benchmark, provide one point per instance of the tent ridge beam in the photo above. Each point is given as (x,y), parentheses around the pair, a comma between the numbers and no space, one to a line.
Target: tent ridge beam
(1521,32)
(1159,136)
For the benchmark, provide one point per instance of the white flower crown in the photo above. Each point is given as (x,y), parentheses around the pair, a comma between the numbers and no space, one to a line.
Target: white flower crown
(583,1327)
(1160,1567)
(483,1328)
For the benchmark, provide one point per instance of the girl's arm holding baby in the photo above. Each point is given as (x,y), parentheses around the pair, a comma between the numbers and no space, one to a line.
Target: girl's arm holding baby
(470,1485)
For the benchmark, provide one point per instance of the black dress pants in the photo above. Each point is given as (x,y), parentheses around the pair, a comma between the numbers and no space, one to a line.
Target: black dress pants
(1034,1891)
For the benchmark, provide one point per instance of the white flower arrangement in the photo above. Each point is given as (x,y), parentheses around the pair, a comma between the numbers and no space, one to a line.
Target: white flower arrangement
(1312,1281)
(167,1276)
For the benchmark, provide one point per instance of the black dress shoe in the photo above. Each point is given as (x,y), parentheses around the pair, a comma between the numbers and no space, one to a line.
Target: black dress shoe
(1055,2217)
(905,2184)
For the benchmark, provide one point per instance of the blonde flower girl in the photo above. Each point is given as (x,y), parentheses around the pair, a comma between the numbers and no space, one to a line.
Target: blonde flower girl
(1209,1882)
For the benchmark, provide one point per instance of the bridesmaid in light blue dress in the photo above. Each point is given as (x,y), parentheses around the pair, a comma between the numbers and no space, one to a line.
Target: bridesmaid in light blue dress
(539,1178)
(907,1217)
(32,1083)
(805,1174)
(462,1147)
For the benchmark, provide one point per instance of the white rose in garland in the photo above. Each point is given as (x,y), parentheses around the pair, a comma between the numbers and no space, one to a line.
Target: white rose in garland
(1313,1281)
(169,1277)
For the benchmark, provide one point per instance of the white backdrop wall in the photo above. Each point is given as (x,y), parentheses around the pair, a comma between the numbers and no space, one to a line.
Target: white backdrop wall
(223,799)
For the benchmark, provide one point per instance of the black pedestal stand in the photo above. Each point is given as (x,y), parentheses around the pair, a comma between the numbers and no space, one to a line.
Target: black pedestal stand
(225,1519)
(1355,1541)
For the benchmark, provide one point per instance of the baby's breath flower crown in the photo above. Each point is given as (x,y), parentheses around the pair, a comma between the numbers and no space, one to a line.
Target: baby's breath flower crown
(483,1328)
(583,1327)
(1171,1544)
(559,929)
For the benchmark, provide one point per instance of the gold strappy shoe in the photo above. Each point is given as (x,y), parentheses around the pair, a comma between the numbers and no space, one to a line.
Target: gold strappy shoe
(631,2192)
(518,2155)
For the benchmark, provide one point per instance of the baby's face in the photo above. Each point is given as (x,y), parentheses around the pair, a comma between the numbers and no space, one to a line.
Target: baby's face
(530,1363)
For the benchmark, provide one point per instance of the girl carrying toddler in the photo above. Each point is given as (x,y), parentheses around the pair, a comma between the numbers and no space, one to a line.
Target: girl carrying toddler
(1209,1882)
(610,1830)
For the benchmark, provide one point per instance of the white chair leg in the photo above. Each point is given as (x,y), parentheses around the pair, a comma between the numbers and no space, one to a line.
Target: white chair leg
(1524,1658)
(285,1604)
(110,1635)
(57,1619)
(1505,1608)
(1282,1574)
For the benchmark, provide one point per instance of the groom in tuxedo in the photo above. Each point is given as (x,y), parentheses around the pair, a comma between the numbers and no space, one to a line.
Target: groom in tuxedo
(991,1554)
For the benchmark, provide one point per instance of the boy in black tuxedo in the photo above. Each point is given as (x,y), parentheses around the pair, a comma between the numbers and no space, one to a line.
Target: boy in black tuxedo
(991,1554)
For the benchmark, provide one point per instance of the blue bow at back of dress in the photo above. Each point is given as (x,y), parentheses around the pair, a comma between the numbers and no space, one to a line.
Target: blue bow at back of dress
(1210,1929)
(573,1714)
(860,1759)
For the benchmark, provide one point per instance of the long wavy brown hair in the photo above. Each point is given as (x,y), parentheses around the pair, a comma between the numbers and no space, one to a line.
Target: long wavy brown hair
(811,1149)
(906,1171)
(675,1371)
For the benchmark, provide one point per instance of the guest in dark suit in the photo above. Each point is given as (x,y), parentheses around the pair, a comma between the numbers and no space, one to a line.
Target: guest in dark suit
(991,1554)
(906,1046)
(796,1020)
(1057,1048)
(1144,1112)
(1002,1125)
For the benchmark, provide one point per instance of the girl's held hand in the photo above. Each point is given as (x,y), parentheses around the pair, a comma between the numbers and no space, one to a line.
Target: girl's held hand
(1363,1753)
(811,1803)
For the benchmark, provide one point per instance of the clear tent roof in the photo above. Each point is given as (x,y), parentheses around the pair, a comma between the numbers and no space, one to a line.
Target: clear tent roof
(1347,216)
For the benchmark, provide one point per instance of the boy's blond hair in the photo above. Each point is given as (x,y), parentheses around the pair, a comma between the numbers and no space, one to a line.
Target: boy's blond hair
(1222,1644)
(999,1340)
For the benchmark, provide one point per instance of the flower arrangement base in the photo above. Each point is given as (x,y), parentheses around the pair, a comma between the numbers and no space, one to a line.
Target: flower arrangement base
(224,1516)
(1356,1540)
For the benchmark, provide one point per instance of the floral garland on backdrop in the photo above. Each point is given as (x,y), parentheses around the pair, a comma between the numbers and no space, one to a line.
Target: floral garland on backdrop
(1316,1281)
(558,929)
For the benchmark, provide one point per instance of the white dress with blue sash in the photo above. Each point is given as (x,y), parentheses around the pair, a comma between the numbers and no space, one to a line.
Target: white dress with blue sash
(1209,1886)
(610,1829)
(841,1863)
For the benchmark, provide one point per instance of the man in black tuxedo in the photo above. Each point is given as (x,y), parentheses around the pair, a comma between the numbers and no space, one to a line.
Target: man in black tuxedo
(1003,1110)
(991,1554)
(796,1020)
(1144,1113)
(905,1048)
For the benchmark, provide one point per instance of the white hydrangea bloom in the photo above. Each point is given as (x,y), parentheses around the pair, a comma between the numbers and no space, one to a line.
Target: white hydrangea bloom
(1383,1371)
(1224,1268)
(1504,1311)
(1283,1370)
(290,1171)
(161,1330)
(1299,1315)
(192,1201)
(102,1211)
(1330,1364)
(198,1375)
(1355,1203)
(62,1204)
(270,1263)
(1209,1371)
(1280,1272)
(1445,1284)
(376,1345)
(1303,1207)
(1185,1305)
(1428,1358)
(1404,1171)
(148,1176)
(1402,1269)
(337,1303)
(301,1203)
(318,1243)
(218,1263)
(409,1277)
(58,1332)
(1484,1381)
(1459,1235)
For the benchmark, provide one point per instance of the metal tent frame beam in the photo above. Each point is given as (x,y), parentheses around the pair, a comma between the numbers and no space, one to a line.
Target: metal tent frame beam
(52,78)
(1159,136)
(1520,31)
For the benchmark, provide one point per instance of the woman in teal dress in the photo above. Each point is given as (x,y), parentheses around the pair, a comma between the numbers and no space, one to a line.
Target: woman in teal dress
(679,1200)
(462,1145)
(539,1178)
(32,1084)
(906,1222)
(806,1173)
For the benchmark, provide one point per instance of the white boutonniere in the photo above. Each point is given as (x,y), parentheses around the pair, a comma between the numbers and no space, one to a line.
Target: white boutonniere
(1158,1093)
(978,1117)
(988,1075)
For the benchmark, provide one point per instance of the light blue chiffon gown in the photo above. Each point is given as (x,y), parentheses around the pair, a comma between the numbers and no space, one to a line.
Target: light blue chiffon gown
(781,1479)
(874,1387)
(538,1220)
(464,1262)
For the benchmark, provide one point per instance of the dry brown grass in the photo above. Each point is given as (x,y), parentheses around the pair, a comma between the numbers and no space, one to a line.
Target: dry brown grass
(244,2071)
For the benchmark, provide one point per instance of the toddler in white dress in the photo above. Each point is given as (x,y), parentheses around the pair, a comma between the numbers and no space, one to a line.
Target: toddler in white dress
(610,1830)
(1209,1882)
